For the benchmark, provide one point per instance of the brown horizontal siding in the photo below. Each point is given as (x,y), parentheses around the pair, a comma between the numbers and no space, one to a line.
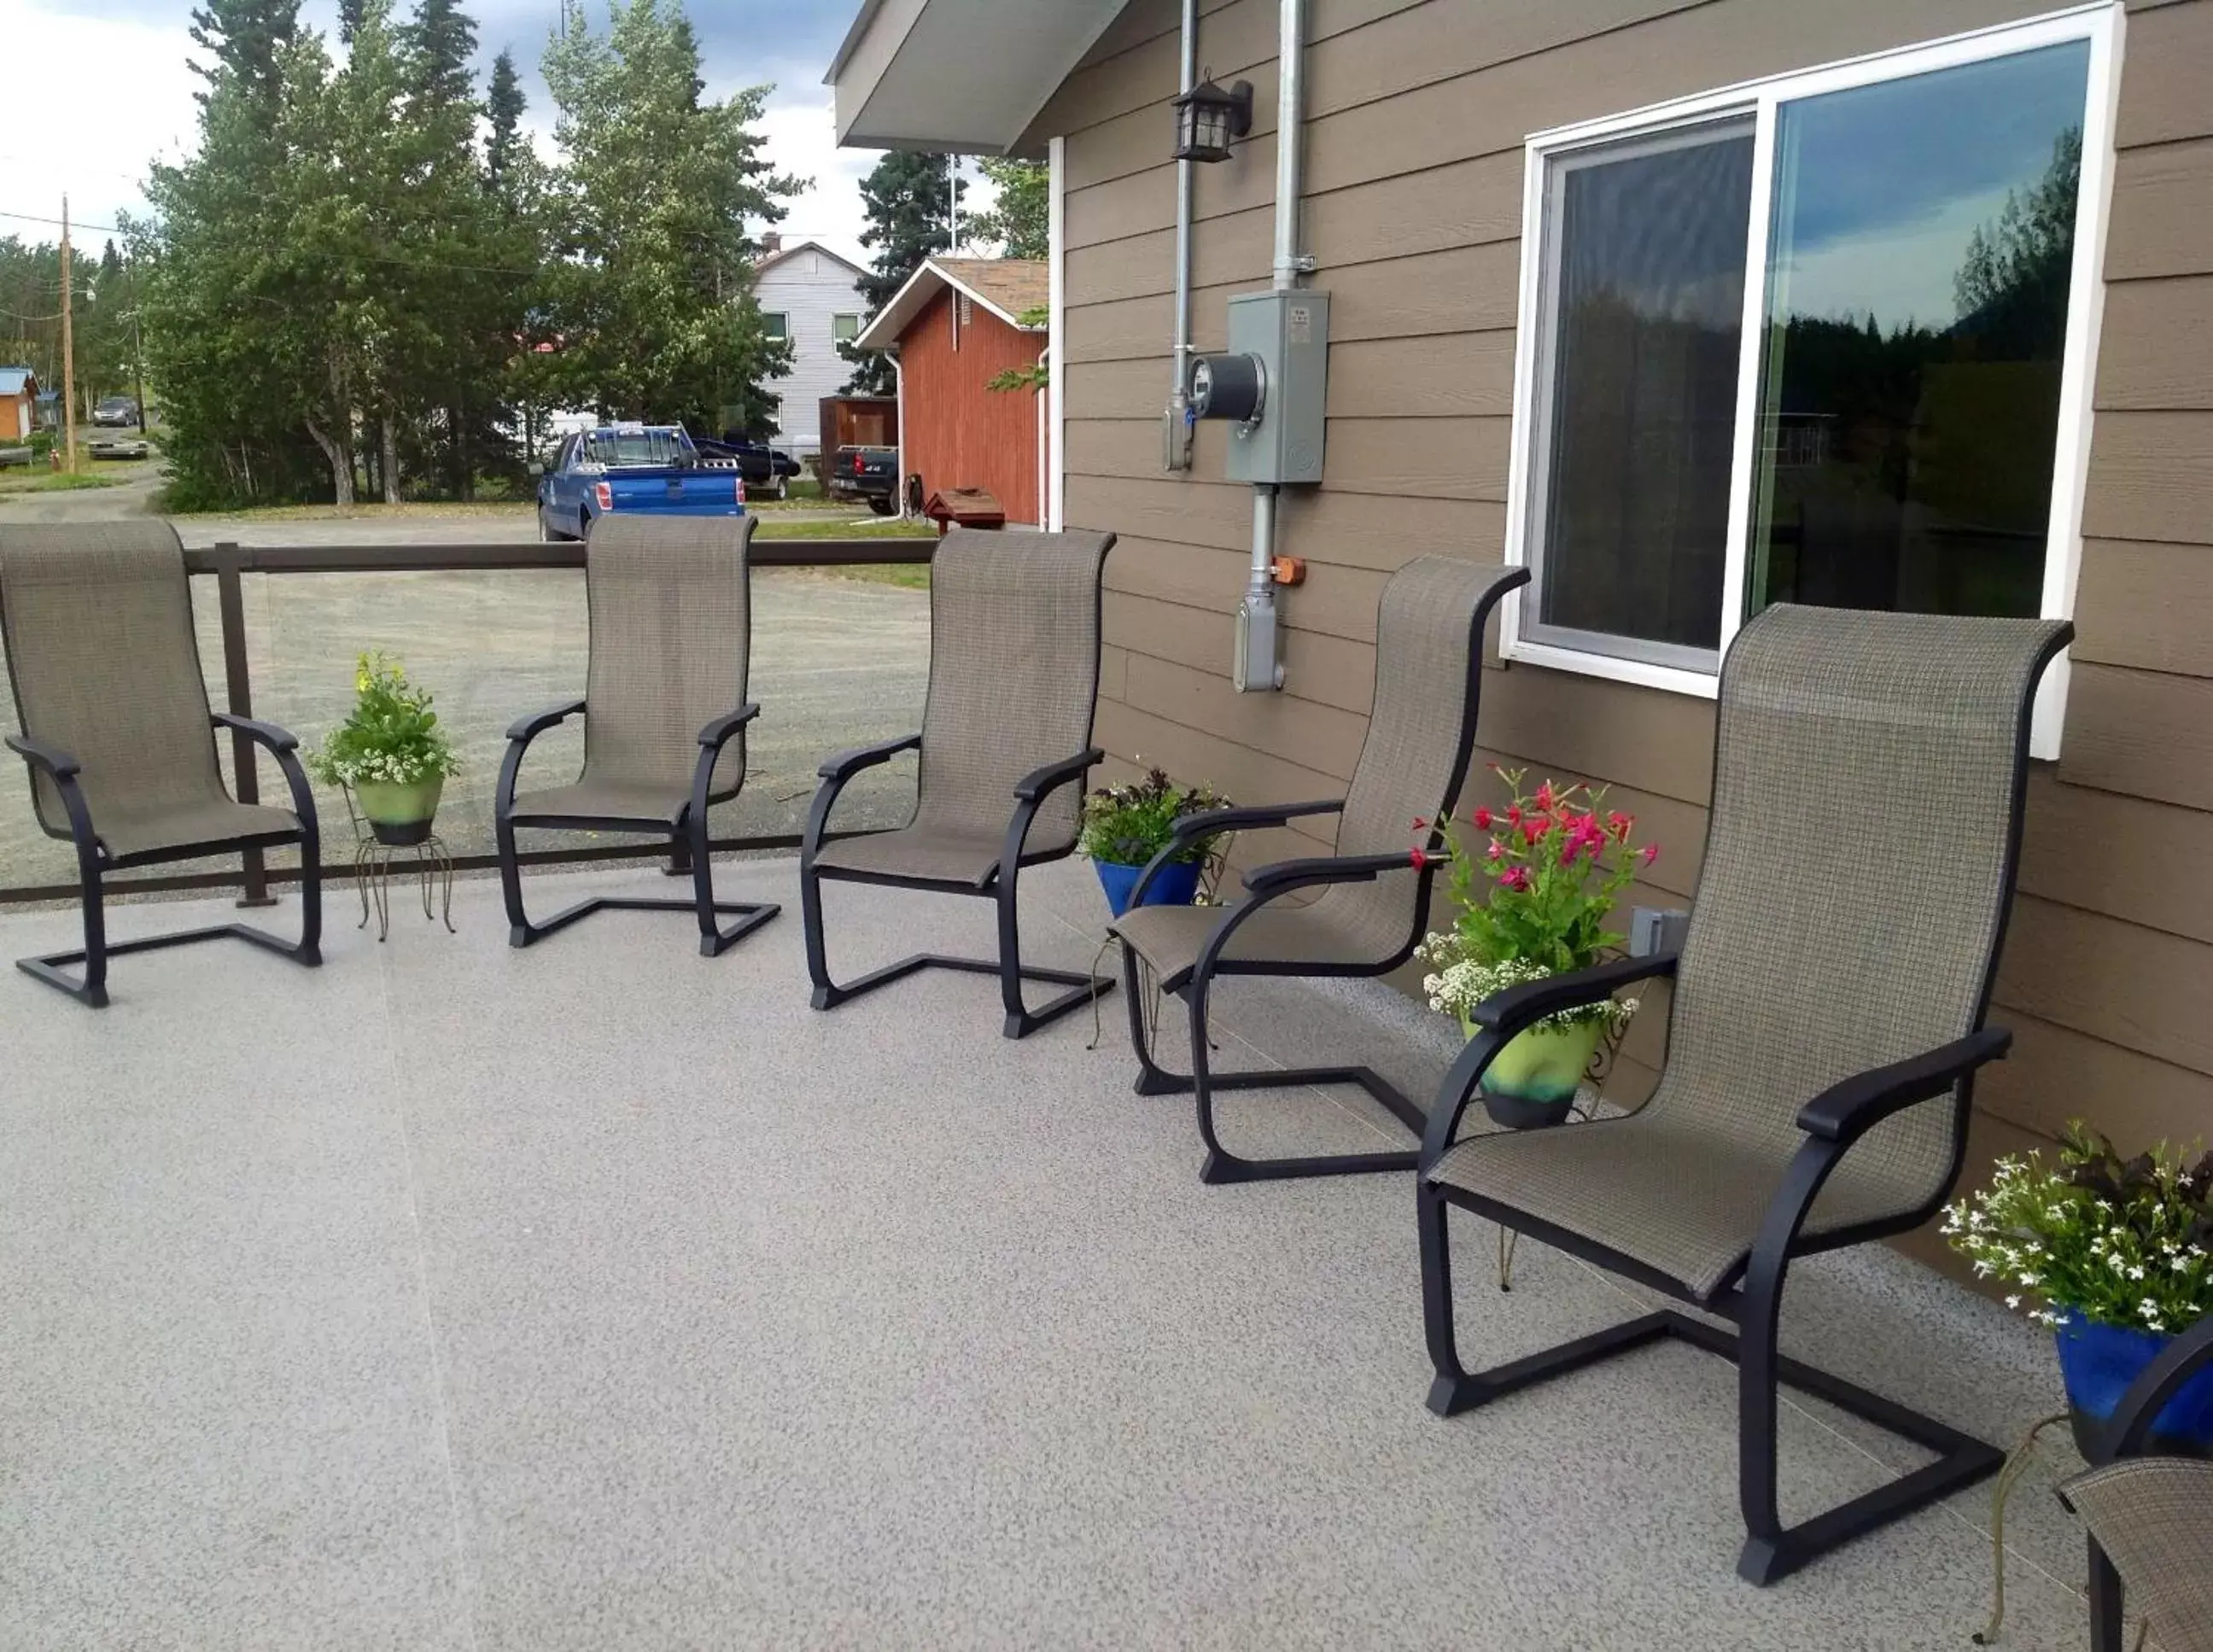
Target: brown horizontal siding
(2129,858)
(2147,605)
(1415,177)
(2162,221)
(1333,671)
(2155,352)
(2151,474)
(2149,733)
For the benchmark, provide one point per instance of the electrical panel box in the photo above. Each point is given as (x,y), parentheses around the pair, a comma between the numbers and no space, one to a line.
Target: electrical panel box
(1288,333)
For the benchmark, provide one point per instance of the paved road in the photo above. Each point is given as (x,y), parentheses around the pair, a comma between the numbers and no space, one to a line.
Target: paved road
(836,662)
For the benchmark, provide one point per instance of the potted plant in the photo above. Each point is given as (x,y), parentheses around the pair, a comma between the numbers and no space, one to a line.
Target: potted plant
(391,752)
(2114,1257)
(1124,826)
(1534,889)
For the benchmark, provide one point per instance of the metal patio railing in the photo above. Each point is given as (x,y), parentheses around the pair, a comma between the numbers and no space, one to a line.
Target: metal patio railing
(228,564)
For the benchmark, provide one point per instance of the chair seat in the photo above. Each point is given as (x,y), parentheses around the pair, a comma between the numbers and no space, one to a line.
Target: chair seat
(604,800)
(2154,1518)
(1682,1201)
(213,822)
(1169,939)
(927,854)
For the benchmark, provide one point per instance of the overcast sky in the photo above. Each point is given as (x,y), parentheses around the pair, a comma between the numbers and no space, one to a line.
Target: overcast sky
(105,86)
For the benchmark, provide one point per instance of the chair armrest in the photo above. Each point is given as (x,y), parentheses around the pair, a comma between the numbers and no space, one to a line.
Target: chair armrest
(2129,1429)
(1524,1006)
(1263,881)
(55,761)
(276,738)
(718,732)
(845,765)
(1053,776)
(537,722)
(1249,817)
(1856,1104)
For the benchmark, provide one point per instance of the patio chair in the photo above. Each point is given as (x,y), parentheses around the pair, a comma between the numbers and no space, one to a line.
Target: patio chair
(1005,744)
(118,736)
(2151,1515)
(664,711)
(1826,1024)
(1367,902)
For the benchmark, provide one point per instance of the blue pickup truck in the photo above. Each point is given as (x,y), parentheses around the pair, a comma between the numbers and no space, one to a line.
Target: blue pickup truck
(642,469)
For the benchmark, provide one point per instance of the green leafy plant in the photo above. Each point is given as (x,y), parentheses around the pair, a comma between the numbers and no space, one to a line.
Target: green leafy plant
(1534,887)
(392,736)
(2120,1242)
(1128,825)
(1037,375)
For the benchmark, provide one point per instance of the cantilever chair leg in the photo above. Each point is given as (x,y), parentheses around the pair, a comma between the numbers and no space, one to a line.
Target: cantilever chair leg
(714,939)
(90,985)
(1222,1165)
(1771,1550)
(1021,1020)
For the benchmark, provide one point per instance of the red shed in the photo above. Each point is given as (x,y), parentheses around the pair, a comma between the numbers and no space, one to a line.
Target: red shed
(958,324)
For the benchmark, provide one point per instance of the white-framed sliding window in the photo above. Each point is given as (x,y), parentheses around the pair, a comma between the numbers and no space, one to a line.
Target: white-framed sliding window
(1824,337)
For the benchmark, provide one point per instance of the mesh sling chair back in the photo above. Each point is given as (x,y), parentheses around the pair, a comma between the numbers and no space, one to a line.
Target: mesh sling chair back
(1826,1023)
(1004,747)
(1365,906)
(664,710)
(118,736)
(2150,1513)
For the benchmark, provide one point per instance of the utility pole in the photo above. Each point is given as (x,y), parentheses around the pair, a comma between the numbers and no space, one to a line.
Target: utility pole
(953,205)
(68,354)
(137,345)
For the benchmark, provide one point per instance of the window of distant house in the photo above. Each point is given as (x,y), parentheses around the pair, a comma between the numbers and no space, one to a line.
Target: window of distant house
(844,329)
(1824,339)
(776,325)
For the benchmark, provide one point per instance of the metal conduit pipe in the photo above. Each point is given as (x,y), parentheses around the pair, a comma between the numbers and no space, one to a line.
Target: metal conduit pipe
(1260,663)
(1176,426)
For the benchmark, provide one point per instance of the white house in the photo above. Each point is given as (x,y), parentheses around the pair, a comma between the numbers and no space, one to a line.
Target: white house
(811,296)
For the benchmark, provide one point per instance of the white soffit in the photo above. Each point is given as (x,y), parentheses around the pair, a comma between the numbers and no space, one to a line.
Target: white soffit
(964,76)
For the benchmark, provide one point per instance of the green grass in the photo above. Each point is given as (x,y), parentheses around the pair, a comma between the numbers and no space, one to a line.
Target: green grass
(861,527)
(364,511)
(909,575)
(55,482)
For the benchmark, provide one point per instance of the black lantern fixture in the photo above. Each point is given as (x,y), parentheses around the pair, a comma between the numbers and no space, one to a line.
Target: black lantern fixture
(1208,116)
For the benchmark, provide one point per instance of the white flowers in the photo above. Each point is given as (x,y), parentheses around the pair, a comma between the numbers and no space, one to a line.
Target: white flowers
(1463,983)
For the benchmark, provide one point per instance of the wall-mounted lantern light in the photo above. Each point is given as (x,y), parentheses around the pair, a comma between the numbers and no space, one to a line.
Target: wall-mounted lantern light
(1208,117)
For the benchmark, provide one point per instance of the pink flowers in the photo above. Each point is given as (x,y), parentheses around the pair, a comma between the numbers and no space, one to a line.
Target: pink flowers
(1538,879)
(1419,857)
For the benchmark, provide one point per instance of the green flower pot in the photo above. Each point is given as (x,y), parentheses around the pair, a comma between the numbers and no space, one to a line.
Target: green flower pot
(1531,1082)
(400,814)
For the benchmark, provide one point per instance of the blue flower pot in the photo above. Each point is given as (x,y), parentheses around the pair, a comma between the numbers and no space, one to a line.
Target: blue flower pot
(2099,1361)
(1174,885)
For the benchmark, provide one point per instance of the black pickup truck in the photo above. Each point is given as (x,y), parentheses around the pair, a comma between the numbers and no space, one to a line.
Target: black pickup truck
(767,471)
(870,473)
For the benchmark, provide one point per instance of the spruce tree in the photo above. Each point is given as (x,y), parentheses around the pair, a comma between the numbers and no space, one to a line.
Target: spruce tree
(908,218)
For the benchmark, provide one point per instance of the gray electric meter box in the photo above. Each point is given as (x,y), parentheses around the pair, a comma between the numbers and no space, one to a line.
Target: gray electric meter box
(1289,332)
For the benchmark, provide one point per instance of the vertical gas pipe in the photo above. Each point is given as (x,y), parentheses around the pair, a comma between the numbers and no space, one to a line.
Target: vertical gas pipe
(1261,655)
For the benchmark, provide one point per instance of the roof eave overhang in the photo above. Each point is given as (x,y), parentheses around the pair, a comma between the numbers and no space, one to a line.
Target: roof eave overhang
(958,76)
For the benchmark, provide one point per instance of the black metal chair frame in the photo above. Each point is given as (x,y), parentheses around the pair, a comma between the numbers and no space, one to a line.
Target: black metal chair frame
(93,862)
(2128,1433)
(999,886)
(1262,885)
(688,836)
(1752,1297)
